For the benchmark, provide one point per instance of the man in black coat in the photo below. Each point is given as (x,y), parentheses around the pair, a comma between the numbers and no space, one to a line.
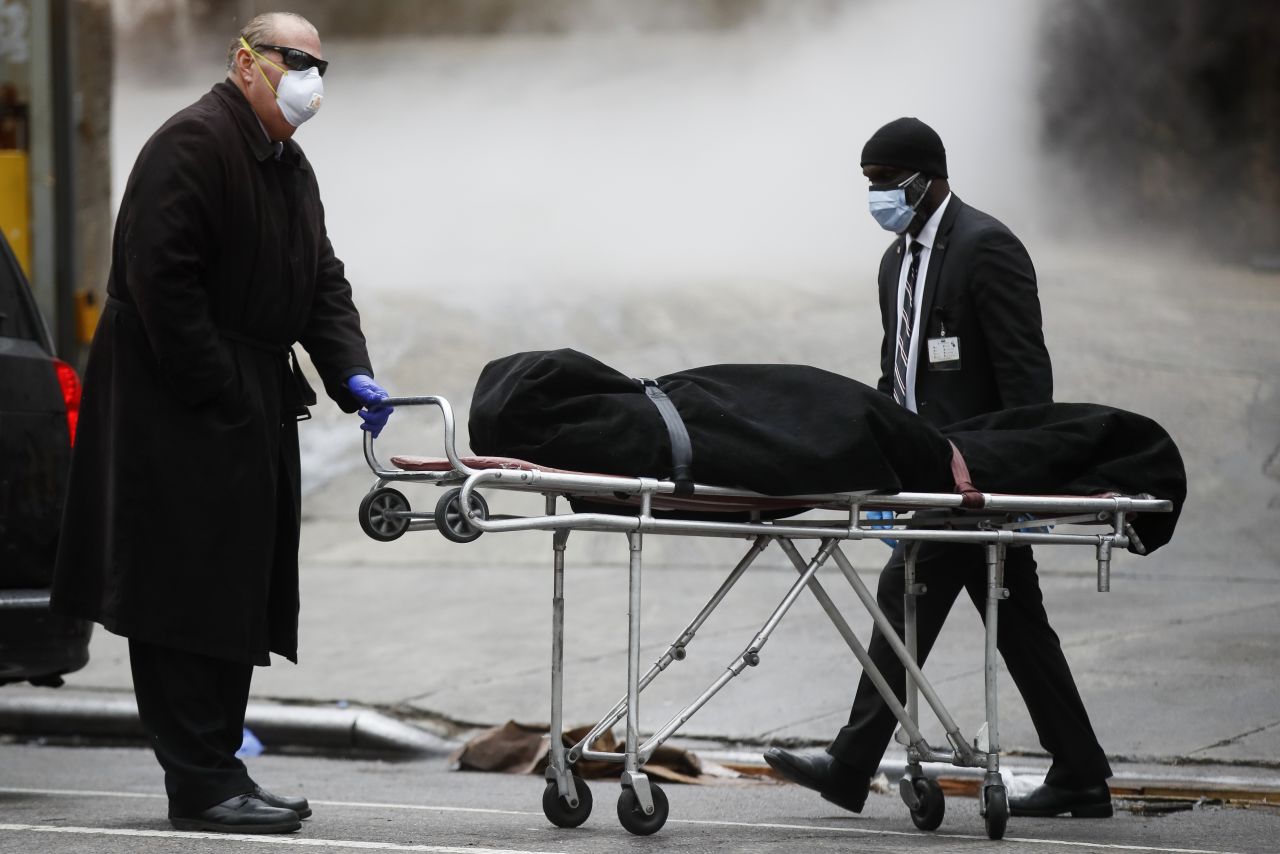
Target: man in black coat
(181,524)
(962,337)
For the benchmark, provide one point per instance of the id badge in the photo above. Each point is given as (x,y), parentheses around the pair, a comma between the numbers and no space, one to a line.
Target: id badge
(944,353)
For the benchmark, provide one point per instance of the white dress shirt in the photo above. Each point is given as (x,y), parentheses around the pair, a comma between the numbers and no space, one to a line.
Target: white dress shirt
(925,239)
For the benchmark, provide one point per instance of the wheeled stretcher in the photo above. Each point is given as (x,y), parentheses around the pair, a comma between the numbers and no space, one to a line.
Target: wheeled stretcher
(637,506)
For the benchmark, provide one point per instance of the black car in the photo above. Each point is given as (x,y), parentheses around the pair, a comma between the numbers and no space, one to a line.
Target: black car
(39,403)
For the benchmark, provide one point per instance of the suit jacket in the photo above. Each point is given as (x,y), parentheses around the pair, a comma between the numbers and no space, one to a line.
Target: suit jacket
(981,285)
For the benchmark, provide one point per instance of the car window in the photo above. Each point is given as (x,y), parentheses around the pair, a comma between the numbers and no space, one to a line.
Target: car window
(17,318)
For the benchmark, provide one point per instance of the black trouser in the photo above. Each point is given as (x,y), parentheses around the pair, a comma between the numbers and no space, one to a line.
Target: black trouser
(1027,643)
(192,710)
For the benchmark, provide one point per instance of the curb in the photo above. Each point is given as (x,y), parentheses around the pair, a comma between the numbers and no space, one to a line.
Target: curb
(350,729)
(346,730)
(1150,788)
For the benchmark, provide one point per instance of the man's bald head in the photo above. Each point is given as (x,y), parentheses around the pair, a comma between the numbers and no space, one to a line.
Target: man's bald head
(271,28)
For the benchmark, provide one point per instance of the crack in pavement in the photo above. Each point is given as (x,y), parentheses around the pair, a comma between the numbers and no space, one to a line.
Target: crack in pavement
(1226,742)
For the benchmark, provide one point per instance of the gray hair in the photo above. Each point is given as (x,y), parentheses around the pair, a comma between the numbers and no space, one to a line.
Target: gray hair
(262,30)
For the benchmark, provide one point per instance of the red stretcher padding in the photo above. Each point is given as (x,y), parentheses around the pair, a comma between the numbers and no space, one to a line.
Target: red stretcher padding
(973,498)
(702,504)
(442,464)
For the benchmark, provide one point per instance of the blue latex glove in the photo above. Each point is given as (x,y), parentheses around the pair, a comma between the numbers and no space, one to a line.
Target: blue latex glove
(370,394)
(1027,517)
(883,514)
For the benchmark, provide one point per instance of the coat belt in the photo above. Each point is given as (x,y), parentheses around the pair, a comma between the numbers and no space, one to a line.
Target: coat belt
(296,399)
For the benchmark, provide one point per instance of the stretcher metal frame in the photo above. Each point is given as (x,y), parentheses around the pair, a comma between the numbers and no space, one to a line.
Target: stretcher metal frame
(462,515)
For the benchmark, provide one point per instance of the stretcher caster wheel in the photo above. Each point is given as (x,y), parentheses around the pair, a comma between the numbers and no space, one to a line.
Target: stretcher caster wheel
(995,811)
(632,817)
(933,804)
(558,811)
(452,523)
(375,518)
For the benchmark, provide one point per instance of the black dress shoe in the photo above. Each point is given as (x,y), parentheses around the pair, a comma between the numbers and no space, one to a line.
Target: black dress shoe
(298,805)
(1046,800)
(240,814)
(828,776)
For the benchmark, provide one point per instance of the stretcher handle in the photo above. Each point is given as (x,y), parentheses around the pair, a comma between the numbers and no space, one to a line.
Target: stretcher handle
(446,415)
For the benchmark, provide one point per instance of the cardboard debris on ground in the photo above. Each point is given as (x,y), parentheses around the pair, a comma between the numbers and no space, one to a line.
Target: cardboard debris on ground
(516,748)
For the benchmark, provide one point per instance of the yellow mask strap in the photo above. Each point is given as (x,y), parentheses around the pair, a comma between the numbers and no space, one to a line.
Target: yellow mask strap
(249,48)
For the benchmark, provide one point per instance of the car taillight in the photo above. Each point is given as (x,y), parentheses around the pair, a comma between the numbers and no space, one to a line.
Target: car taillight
(70,394)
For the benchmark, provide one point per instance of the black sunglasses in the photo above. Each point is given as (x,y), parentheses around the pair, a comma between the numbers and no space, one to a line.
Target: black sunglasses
(298,60)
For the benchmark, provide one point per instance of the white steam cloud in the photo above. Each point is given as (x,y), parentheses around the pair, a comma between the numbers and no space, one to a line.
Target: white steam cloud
(475,169)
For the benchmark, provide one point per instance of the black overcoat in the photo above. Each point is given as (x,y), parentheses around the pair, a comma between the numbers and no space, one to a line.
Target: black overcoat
(181,524)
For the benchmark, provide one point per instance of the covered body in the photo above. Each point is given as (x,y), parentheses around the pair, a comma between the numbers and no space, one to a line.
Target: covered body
(795,429)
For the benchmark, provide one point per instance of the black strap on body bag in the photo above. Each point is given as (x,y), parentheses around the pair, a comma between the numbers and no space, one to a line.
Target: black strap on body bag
(681,447)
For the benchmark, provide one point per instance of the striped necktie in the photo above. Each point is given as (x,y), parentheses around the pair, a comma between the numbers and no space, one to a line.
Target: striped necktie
(905,323)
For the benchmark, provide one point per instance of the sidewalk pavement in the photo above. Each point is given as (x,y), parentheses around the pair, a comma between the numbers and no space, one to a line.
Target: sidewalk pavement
(1178,665)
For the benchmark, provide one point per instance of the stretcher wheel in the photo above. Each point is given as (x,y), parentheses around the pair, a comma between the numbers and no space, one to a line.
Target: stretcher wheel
(933,804)
(558,811)
(452,523)
(632,817)
(375,518)
(995,801)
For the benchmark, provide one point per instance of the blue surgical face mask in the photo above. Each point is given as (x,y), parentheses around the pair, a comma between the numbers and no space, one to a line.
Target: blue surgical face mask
(890,207)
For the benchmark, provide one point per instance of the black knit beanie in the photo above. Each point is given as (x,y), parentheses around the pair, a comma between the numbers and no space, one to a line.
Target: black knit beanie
(907,143)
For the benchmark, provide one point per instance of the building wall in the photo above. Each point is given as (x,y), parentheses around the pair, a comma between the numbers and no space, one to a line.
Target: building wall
(1170,112)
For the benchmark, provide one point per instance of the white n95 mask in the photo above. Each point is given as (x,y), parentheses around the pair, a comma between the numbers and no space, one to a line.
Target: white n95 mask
(299,94)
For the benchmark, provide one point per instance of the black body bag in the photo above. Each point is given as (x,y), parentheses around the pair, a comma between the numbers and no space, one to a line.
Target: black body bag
(795,429)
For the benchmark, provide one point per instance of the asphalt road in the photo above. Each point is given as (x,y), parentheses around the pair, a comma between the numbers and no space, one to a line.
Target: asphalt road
(64,799)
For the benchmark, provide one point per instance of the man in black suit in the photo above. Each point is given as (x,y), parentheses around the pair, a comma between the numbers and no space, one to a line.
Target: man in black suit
(962,337)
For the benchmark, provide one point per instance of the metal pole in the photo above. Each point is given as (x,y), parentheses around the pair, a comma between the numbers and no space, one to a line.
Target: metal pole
(61,61)
(995,593)
(558,766)
(40,170)
(634,540)
(911,590)
(631,775)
